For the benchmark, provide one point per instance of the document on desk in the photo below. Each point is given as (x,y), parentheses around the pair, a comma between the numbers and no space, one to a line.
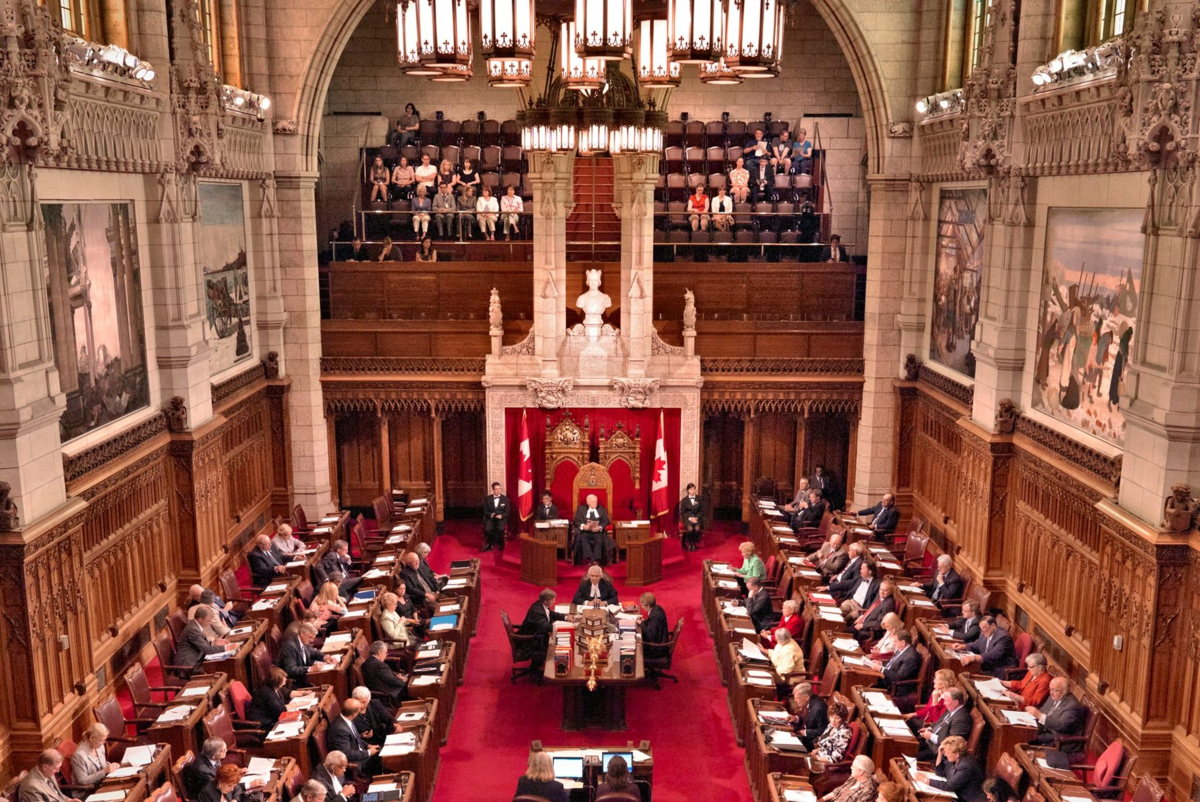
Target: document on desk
(750,650)
(773,716)
(1020,718)
(761,682)
(562,609)
(783,738)
(108,796)
(173,714)
(821,598)
(798,795)
(846,644)
(831,614)
(375,788)
(894,727)
(721,570)
(286,729)
(925,788)
(991,689)
(851,660)
(639,756)
(727,584)
(781,529)
(138,756)
(879,701)
(456,583)
(421,682)
(734,608)
(195,690)
(911,589)
(212,658)
(410,715)
(302,702)
(374,573)
(260,766)
(123,772)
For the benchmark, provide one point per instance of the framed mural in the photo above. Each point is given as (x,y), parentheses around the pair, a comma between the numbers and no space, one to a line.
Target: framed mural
(227,322)
(1087,316)
(96,321)
(956,277)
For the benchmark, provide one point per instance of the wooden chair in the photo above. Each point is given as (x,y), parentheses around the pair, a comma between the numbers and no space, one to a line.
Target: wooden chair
(1148,790)
(261,663)
(913,555)
(911,691)
(977,724)
(660,663)
(164,793)
(300,525)
(1022,645)
(1032,795)
(176,621)
(141,693)
(177,770)
(1011,772)
(219,724)
(522,647)
(108,712)
(164,648)
(231,591)
(66,747)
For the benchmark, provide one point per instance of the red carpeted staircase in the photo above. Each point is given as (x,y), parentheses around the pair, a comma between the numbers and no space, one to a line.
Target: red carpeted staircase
(593,228)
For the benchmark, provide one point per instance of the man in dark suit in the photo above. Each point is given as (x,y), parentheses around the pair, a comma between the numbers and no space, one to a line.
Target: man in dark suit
(834,252)
(594,587)
(419,589)
(955,721)
(344,737)
(762,181)
(546,511)
(266,563)
(993,649)
(946,584)
(884,516)
(966,627)
(332,775)
(904,664)
(338,561)
(654,624)
(193,644)
(820,480)
(495,519)
(869,625)
(810,714)
(1060,716)
(862,594)
(844,581)
(375,723)
(379,677)
(539,620)
(758,604)
(296,654)
(591,532)
(958,772)
(432,578)
(197,775)
(810,517)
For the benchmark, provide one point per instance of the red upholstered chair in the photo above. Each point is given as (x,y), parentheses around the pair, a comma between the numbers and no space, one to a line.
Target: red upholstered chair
(164,793)
(176,621)
(1148,790)
(218,724)
(260,663)
(66,747)
(240,697)
(1108,776)
(1022,645)
(1011,772)
(164,648)
(108,712)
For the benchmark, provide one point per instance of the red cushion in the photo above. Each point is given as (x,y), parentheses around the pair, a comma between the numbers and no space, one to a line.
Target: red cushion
(1023,646)
(1108,763)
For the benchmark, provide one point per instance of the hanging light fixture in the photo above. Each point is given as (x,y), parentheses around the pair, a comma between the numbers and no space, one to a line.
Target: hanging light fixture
(507,33)
(753,35)
(444,31)
(408,37)
(655,69)
(578,73)
(604,29)
(695,30)
(715,73)
(452,74)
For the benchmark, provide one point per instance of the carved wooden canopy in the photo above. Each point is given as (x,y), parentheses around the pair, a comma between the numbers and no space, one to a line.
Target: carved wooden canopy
(621,446)
(593,477)
(567,442)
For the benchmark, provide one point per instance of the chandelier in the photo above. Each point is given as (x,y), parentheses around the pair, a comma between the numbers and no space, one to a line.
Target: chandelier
(604,29)
(507,29)
(716,73)
(695,30)
(753,36)
(579,73)
(655,69)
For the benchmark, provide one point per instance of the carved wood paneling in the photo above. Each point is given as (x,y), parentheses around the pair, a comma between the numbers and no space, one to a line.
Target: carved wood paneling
(936,482)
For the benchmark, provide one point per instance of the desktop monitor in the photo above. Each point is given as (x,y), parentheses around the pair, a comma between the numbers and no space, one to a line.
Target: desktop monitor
(568,768)
(607,756)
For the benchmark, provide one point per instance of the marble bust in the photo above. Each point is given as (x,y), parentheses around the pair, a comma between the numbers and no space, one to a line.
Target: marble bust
(594,304)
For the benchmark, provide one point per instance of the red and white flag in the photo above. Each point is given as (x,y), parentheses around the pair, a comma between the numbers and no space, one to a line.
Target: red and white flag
(524,473)
(660,503)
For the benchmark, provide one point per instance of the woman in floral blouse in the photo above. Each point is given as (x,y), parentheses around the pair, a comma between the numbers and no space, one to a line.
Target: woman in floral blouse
(833,743)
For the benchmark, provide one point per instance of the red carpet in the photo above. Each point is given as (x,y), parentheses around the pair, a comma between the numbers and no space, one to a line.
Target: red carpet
(687,724)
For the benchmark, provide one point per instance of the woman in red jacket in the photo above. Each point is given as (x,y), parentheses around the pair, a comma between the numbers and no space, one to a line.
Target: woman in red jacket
(791,621)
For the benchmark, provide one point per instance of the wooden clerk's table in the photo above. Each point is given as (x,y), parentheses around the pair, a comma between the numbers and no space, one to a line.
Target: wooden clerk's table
(626,531)
(183,732)
(422,757)
(603,707)
(642,767)
(277,744)
(1001,735)
(554,531)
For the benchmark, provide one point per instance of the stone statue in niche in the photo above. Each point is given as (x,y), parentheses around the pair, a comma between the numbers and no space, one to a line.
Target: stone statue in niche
(495,315)
(594,304)
(9,521)
(912,367)
(1006,416)
(176,415)
(1180,510)
(689,311)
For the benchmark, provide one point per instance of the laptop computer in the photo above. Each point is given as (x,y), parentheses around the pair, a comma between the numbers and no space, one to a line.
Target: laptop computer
(607,756)
(568,768)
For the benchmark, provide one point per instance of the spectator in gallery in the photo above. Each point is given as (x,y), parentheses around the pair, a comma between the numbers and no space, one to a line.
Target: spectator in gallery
(426,173)
(758,149)
(834,252)
(722,211)
(739,181)
(808,224)
(421,207)
(487,211)
(407,125)
(426,253)
(466,213)
(511,206)
(468,176)
(380,178)
(802,152)
(762,181)
(445,209)
(403,179)
(358,253)
(781,151)
(698,209)
(446,176)
(390,252)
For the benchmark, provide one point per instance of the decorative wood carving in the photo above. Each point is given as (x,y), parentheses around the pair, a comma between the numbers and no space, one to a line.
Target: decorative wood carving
(567,442)
(246,378)
(621,446)
(1087,459)
(92,459)
(792,368)
(961,393)
(399,364)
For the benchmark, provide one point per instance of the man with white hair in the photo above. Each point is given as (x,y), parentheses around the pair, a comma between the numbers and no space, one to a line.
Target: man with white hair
(312,791)
(266,563)
(432,577)
(595,588)
(284,543)
(332,775)
(591,532)
(947,584)
(375,720)
(297,655)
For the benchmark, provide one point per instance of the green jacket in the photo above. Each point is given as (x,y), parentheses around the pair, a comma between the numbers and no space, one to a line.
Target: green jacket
(752,566)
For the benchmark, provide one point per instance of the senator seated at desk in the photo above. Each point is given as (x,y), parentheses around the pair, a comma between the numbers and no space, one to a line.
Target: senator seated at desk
(270,699)
(758,605)
(832,557)
(538,779)
(617,779)
(591,524)
(809,714)
(869,624)
(225,787)
(40,784)
(956,720)
(594,587)
(957,771)
(1033,689)
(654,626)
(90,764)
(297,655)
(935,706)
(966,627)
(884,516)
(946,583)
(861,787)
(379,677)
(421,591)
(791,622)
(843,581)
(332,775)
(752,564)
(375,720)
(265,561)
(993,650)
(344,737)
(311,791)
(904,665)
(195,642)
(1061,716)
(859,595)
(201,771)
(810,517)
(547,510)
(835,740)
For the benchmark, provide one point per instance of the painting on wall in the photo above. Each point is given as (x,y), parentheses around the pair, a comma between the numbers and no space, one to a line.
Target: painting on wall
(96,322)
(956,278)
(1087,316)
(227,322)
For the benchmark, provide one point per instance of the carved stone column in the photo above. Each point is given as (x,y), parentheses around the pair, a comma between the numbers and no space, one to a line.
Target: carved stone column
(552,179)
(31,402)
(178,313)
(270,314)
(881,341)
(918,263)
(999,344)
(302,340)
(633,179)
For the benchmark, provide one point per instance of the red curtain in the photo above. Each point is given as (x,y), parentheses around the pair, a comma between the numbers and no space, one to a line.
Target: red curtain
(626,501)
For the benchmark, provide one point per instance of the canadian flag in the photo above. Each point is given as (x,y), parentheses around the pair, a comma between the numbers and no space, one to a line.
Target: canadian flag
(524,473)
(660,503)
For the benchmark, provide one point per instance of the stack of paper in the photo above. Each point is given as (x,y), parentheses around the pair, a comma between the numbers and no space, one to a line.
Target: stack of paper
(750,651)
(781,529)
(410,715)
(107,796)
(457,583)
(773,513)
(783,738)
(722,569)
(927,789)
(798,795)
(337,642)
(138,756)
(212,658)
(727,584)
(262,605)
(773,716)
(275,587)
(258,767)
(830,614)
(429,647)
(374,573)
(421,682)
(821,598)
(177,713)
(375,788)
(123,772)
(894,727)
(562,609)
(911,588)
(991,689)
(1019,717)
(846,644)
(286,729)
(195,690)
(760,682)
(880,702)
(399,743)
(302,702)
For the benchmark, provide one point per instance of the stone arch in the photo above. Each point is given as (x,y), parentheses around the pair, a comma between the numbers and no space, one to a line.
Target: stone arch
(346,16)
